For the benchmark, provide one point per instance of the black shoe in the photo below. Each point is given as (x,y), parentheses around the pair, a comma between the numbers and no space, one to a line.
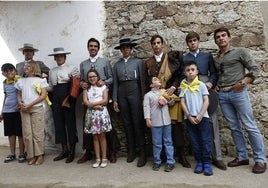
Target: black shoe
(169,167)
(131,157)
(156,167)
(9,158)
(141,162)
(22,158)
(61,156)
(219,164)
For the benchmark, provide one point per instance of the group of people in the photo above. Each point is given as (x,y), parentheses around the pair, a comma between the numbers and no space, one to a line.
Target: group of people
(163,93)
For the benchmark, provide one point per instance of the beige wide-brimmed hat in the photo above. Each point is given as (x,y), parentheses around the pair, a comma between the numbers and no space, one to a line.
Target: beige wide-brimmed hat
(59,50)
(28,46)
(125,42)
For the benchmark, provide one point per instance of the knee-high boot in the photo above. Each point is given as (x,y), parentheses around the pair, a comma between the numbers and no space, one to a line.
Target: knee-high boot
(63,154)
(181,157)
(142,159)
(70,157)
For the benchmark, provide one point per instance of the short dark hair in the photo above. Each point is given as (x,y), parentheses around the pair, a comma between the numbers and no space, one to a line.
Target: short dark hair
(7,66)
(93,40)
(222,29)
(192,35)
(189,63)
(155,37)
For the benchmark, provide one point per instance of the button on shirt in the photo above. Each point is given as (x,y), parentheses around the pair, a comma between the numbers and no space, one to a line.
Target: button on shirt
(62,74)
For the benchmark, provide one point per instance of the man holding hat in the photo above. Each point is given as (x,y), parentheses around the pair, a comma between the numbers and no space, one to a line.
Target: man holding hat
(64,119)
(127,97)
(28,51)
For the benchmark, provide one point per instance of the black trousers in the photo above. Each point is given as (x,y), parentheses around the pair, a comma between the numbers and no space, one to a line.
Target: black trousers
(64,120)
(130,105)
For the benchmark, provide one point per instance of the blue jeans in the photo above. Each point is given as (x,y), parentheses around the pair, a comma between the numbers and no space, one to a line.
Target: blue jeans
(236,106)
(200,136)
(160,134)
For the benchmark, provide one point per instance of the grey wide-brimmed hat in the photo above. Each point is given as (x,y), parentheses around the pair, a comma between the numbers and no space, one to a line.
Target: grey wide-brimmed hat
(125,42)
(28,46)
(59,50)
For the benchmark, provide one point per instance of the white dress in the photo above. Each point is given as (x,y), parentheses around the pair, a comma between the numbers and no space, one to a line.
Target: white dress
(97,121)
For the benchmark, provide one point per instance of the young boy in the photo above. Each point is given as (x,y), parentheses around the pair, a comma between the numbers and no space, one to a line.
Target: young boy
(194,101)
(10,113)
(158,119)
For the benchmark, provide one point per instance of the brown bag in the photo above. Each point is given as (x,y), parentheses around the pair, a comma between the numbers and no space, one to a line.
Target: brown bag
(75,87)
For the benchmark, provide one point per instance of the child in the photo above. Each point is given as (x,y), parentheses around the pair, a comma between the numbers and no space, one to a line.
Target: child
(194,101)
(157,118)
(10,113)
(97,119)
(32,111)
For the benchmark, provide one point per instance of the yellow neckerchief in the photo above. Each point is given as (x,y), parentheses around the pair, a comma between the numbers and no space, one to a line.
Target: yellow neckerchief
(39,90)
(12,81)
(193,87)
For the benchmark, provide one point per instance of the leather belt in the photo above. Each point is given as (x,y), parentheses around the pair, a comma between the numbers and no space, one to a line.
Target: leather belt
(226,88)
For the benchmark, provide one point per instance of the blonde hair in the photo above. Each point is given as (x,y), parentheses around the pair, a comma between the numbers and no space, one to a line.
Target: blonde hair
(36,71)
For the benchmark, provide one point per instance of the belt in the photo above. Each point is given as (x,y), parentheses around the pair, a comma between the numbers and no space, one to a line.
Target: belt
(226,88)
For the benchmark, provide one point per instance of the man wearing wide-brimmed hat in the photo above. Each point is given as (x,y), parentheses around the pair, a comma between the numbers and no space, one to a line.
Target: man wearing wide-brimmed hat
(127,97)
(64,119)
(28,51)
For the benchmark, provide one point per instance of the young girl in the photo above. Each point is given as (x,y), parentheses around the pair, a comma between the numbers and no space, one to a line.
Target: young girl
(97,119)
(32,111)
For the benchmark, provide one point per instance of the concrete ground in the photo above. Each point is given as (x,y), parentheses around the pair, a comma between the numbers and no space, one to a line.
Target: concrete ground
(121,174)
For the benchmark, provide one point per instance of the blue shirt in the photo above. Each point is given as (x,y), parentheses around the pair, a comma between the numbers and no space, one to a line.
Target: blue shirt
(194,101)
(11,98)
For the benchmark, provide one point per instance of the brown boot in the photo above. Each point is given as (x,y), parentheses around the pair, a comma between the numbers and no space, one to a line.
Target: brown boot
(70,157)
(182,159)
(113,157)
(86,157)
(63,154)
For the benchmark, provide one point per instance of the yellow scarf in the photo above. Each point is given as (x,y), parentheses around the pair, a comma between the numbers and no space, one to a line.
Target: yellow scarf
(39,90)
(193,87)
(12,81)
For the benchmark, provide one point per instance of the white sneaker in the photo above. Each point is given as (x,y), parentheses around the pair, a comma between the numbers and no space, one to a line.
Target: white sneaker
(104,163)
(97,163)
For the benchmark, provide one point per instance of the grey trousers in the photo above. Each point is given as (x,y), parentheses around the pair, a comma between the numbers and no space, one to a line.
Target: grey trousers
(215,138)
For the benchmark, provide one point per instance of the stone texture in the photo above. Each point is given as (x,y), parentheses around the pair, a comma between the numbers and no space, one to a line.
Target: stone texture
(173,20)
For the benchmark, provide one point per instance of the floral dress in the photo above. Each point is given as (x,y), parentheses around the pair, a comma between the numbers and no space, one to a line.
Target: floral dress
(97,121)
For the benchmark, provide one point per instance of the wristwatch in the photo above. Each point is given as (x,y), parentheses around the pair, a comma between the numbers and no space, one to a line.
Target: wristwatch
(243,84)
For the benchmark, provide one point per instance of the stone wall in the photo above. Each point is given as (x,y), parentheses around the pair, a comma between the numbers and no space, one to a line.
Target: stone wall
(173,20)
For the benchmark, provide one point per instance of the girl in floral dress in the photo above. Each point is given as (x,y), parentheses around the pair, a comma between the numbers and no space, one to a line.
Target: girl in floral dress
(97,119)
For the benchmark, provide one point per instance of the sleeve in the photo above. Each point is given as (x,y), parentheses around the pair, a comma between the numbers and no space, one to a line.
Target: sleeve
(204,89)
(115,84)
(249,64)
(212,71)
(44,83)
(146,107)
(18,84)
(43,67)
(82,76)
(108,73)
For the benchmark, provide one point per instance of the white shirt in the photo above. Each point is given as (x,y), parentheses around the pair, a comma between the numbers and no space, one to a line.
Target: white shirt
(158,57)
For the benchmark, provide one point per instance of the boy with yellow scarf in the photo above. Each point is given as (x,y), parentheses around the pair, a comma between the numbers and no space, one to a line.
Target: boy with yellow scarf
(194,101)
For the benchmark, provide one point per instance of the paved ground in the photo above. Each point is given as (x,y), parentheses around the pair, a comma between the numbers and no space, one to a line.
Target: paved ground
(121,174)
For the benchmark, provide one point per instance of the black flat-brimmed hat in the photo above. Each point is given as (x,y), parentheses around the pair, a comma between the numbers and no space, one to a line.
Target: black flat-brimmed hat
(28,46)
(59,50)
(125,42)
(213,102)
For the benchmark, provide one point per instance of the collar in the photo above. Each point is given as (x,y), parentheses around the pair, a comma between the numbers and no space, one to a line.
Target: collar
(12,81)
(94,59)
(126,59)
(158,58)
(230,49)
(195,53)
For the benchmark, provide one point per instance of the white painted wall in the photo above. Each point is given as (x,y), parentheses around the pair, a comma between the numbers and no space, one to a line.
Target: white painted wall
(47,25)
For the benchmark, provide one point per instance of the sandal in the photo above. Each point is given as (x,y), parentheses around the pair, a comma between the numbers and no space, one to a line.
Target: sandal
(97,163)
(104,163)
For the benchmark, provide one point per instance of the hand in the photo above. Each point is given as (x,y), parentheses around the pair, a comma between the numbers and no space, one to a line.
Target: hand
(209,85)
(170,90)
(1,117)
(148,123)
(98,107)
(100,83)
(115,105)
(25,107)
(237,87)
(84,85)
